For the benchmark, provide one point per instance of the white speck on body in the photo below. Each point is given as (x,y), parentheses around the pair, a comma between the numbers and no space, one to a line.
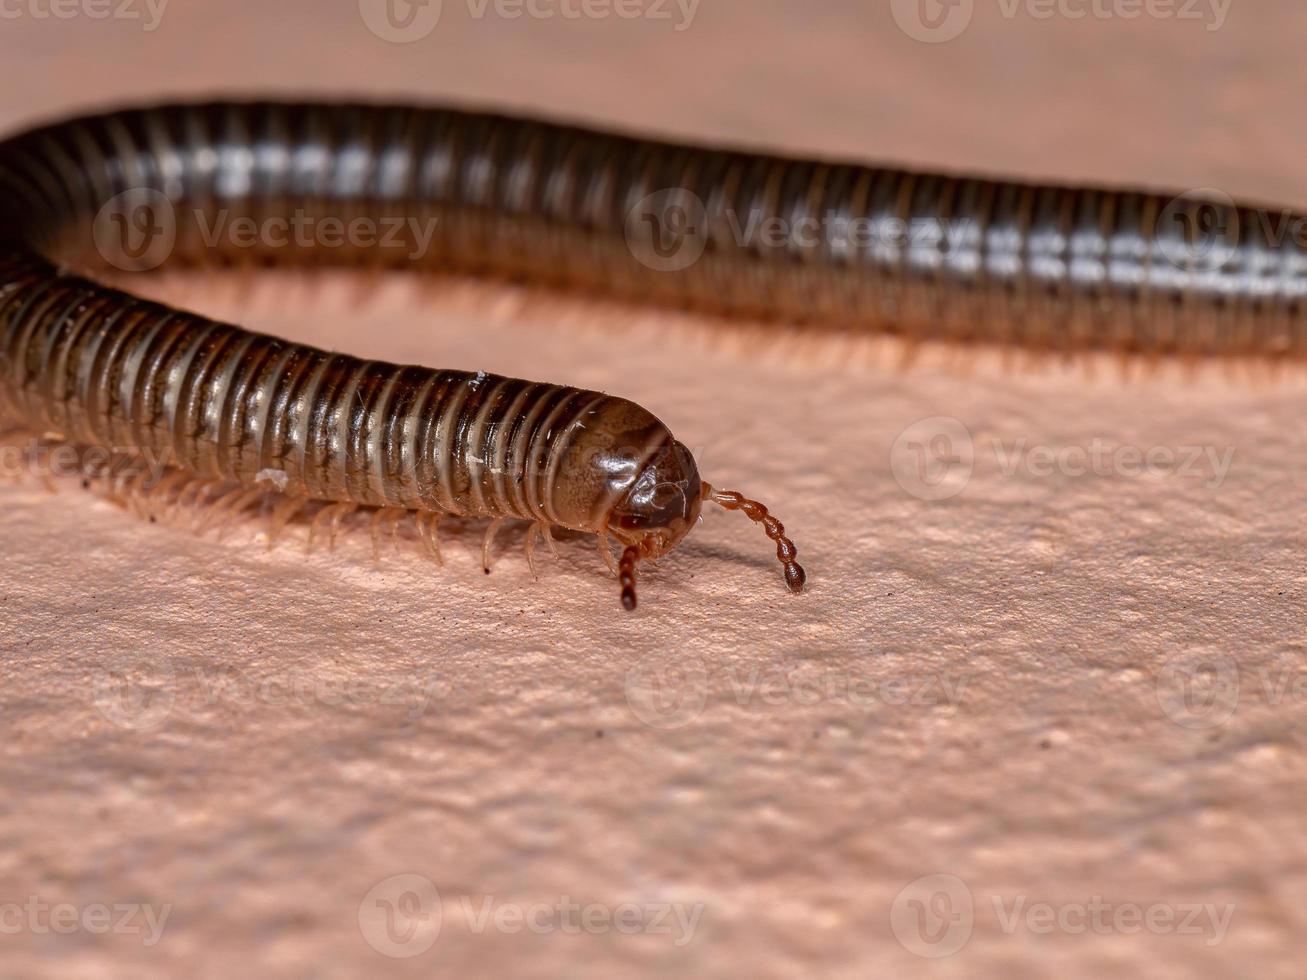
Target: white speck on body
(276,477)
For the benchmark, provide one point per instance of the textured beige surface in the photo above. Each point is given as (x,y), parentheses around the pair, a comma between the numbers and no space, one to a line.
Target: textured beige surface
(989,687)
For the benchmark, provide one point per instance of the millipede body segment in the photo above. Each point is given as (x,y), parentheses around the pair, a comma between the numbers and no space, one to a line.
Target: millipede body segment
(724,231)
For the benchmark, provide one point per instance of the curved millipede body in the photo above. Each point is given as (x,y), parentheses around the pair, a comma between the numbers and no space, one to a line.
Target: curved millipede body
(719,230)
(98,367)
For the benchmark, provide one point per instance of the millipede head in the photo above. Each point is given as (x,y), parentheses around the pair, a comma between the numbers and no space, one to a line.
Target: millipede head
(663,504)
(658,510)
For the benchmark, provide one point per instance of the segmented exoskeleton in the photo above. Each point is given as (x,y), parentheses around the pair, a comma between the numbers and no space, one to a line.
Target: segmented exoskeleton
(719,230)
(99,367)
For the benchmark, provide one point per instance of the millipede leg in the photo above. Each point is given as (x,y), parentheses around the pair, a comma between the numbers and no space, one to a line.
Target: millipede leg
(542,529)
(339,513)
(189,496)
(548,532)
(215,513)
(332,514)
(396,515)
(313,528)
(281,515)
(159,497)
(380,517)
(429,529)
(531,533)
(236,508)
(375,526)
(606,553)
(489,540)
(138,494)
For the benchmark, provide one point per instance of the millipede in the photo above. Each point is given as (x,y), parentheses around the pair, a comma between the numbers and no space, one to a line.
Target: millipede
(240,415)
